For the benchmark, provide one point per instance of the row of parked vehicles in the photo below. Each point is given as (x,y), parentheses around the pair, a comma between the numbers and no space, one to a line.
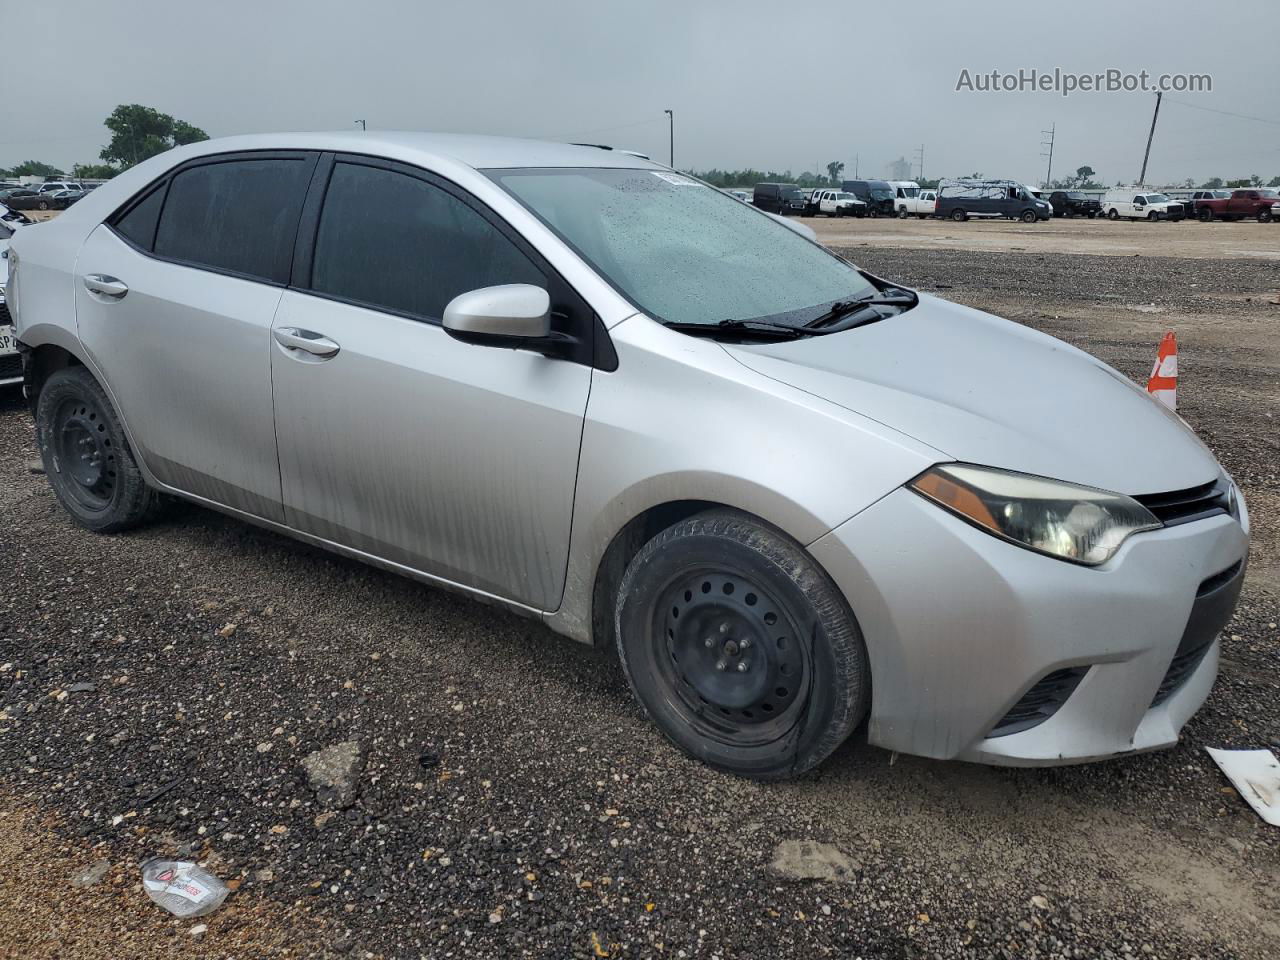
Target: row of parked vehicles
(962,199)
(50,195)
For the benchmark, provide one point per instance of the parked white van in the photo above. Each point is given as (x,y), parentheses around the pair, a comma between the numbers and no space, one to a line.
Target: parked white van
(1138,204)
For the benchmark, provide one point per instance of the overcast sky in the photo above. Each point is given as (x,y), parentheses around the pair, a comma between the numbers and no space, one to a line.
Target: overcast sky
(766,85)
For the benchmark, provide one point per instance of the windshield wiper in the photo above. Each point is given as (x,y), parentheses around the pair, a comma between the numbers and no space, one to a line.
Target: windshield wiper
(762,328)
(844,308)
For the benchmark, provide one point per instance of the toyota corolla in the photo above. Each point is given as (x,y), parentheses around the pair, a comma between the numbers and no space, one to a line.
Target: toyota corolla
(795,496)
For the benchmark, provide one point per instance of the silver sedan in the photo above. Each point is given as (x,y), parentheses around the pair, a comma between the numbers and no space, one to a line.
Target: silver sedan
(793,495)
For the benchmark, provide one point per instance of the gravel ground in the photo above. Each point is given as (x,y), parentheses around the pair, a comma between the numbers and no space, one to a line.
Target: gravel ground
(512,801)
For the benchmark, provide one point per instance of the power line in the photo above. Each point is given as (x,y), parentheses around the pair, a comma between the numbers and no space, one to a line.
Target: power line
(1225,113)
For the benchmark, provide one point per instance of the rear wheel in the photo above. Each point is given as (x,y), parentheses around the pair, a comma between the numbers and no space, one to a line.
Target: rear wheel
(874,213)
(902,213)
(1113,214)
(86,455)
(958,215)
(740,648)
(1205,214)
(1264,215)
(43,204)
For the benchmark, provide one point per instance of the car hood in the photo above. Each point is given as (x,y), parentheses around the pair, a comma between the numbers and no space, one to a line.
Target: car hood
(985,390)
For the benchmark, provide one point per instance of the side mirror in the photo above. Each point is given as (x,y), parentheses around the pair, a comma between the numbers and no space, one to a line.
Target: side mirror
(511,315)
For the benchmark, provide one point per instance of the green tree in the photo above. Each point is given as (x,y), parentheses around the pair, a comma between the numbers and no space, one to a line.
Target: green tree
(1274,182)
(1255,180)
(34,168)
(1213,183)
(1237,184)
(139,133)
(834,169)
(94,171)
(1084,174)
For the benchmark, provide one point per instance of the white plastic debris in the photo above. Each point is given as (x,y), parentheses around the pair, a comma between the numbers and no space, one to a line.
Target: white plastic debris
(1256,775)
(182,888)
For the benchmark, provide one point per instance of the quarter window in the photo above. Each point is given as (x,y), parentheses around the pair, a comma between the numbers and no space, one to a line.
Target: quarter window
(240,216)
(139,224)
(394,241)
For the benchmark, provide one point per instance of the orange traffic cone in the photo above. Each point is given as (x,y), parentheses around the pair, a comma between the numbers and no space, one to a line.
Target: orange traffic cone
(1163,384)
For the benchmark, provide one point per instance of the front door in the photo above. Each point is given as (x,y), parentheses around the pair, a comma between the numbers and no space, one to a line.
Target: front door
(397,440)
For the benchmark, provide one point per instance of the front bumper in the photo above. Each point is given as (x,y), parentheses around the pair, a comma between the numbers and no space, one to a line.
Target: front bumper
(960,626)
(10,363)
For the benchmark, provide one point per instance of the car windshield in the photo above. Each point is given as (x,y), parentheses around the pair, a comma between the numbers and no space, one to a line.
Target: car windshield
(1269,194)
(882,193)
(910,191)
(683,252)
(1076,196)
(790,193)
(1156,198)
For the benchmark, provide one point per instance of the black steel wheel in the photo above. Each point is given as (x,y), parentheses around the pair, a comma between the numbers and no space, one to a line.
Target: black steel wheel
(1029,216)
(958,215)
(86,455)
(740,649)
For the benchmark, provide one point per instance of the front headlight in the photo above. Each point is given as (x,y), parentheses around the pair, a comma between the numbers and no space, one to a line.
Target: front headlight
(1063,520)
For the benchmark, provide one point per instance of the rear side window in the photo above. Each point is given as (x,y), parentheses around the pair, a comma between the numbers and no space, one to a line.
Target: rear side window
(139,224)
(240,216)
(394,241)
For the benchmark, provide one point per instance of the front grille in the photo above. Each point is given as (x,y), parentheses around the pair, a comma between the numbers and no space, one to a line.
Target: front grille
(10,367)
(1215,601)
(6,319)
(1195,503)
(1175,208)
(1041,702)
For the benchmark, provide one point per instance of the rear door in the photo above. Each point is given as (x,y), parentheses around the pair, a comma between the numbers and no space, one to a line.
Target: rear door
(174,301)
(397,440)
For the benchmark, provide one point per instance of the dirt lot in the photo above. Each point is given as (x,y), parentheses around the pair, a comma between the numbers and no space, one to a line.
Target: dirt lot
(513,802)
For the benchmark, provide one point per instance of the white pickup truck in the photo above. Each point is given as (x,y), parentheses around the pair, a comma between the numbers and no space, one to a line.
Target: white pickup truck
(921,205)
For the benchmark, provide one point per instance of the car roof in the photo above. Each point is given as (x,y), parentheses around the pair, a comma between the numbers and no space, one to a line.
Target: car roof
(472,150)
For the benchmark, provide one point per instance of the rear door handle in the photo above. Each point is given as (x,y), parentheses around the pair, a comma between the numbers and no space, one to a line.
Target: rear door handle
(105,286)
(308,341)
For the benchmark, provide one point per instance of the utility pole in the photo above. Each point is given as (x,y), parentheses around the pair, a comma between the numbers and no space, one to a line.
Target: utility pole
(1142,179)
(1051,133)
(361,122)
(671,137)
(855,166)
(920,160)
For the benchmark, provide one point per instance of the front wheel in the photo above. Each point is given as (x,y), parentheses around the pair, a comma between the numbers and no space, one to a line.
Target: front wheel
(902,213)
(1264,215)
(1205,215)
(959,216)
(86,455)
(740,648)
(1029,216)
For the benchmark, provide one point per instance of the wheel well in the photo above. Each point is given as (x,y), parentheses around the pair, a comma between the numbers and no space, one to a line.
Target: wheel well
(46,360)
(626,543)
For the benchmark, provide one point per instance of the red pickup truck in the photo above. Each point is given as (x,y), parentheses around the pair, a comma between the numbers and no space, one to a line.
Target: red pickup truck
(1255,202)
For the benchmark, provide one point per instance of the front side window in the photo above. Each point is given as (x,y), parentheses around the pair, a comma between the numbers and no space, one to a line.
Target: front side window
(394,241)
(240,216)
(681,251)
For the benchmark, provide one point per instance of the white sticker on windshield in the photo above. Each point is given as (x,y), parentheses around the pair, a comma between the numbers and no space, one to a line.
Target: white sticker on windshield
(677,179)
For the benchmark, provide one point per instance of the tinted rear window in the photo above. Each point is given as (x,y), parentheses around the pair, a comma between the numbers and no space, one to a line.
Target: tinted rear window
(391,240)
(240,215)
(139,224)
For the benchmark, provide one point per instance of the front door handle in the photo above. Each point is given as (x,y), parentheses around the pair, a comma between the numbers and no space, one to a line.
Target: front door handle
(105,286)
(308,341)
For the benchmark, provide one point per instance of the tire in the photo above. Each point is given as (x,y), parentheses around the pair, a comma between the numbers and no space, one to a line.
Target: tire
(1029,216)
(902,213)
(767,673)
(922,216)
(86,455)
(1264,215)
(1093,214)
(1112,214)
(874,213)
(43,204)
(1205,215)
(1068,213)
(959,216)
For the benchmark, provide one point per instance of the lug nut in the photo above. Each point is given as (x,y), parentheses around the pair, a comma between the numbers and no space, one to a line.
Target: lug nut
(720,664)
(742,666)
(724,627)
(744,642)
(709,642)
